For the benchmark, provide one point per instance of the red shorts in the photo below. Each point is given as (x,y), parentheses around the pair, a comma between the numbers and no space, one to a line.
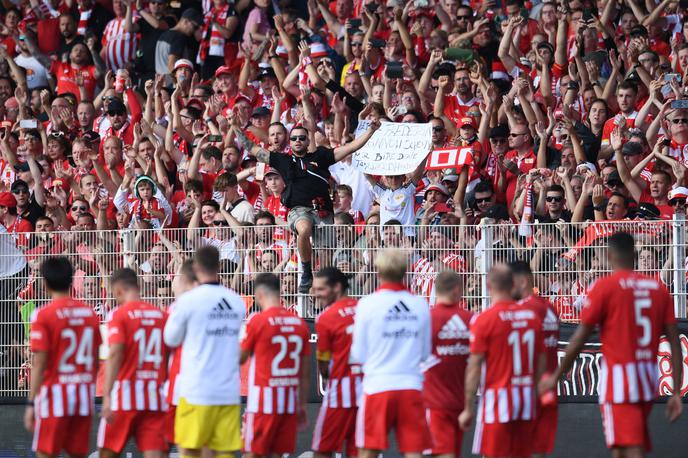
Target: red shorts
(269,433)
(504,439)
(334,428)
(625,425)
(54,434)
(445,432)
(169,423)
(400,410)
(148,429)
(545,429)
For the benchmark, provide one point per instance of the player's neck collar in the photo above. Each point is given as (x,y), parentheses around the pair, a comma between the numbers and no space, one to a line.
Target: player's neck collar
(391,286)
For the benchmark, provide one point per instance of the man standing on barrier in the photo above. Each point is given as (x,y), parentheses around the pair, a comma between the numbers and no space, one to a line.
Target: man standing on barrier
(632,312)
(336,421)
(307,194)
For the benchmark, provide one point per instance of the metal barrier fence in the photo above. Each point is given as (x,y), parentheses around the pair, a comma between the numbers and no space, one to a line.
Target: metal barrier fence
(566,259)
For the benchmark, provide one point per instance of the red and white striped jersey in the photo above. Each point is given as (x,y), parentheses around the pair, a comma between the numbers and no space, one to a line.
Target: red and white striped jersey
(509,336)
(119,46)
(334,327)
(445,369)
(67,330)
(631,310)
(277,341)
(424,274)
(140,381)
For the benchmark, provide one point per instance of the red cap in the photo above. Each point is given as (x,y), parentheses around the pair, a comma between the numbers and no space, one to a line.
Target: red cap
(224,70)
(7,200)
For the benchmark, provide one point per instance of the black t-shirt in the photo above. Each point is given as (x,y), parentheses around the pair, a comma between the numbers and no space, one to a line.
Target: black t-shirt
(33,211)
(145,61)
(307,178)
(546,219)
(172,42)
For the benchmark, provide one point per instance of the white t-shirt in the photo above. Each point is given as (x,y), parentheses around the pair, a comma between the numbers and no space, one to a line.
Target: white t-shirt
(392,336)
(206,321)
(362,192)
(396,204)
(36,74)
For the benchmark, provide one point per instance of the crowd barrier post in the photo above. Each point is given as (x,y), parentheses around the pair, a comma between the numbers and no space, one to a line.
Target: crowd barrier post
(678,243)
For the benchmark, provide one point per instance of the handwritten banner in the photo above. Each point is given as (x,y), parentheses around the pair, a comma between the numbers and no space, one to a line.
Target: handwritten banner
(394,149)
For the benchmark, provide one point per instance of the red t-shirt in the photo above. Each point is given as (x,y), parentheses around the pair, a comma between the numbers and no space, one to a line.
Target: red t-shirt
(631,310)
(334,327)
(68,331)
(139,383)
(527,162)
(443,384)
(278,341)
(65,74)
(509,336)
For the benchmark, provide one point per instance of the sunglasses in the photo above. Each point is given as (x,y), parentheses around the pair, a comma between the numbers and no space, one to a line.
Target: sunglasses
(554,199)
(516,135)
(614,184)
(465,18)
(356,44)
(118,113)
(79,209)
(20,191)
(479,200)
(437,129)
(298,138)
(220,223)
(679,121)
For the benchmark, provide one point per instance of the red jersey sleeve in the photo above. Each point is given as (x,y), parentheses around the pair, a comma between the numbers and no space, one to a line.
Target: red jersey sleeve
(324,345)
(591,314)
(478,341)
(40,333)
(252,331)
(116,329)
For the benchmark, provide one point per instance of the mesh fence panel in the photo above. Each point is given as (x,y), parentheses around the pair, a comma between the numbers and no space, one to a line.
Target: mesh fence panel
(566,259)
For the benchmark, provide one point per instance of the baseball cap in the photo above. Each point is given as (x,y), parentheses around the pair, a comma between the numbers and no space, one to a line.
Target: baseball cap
(183,63)
(19,184)
(450,176)
(116,106)
(21,167)
(467,121)
(266,72)
(271,171)
(632,149)
(646,210)
(546,44)
(223,70)
(193,16)
(91,136)
(260,112)
(680,192)
(7,200)
(499,131)
(437,187)
(318,50)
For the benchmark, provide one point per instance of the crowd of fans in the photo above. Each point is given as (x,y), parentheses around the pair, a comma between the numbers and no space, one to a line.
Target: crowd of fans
(234,124)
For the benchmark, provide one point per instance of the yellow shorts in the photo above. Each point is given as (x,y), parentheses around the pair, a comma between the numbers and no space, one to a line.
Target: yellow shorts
(217,427)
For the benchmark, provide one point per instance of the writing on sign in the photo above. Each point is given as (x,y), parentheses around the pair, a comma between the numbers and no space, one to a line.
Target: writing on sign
(394,149)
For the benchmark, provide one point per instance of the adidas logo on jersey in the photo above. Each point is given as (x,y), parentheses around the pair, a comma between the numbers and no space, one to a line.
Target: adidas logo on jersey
(400,312)
(454,328)
(223,311)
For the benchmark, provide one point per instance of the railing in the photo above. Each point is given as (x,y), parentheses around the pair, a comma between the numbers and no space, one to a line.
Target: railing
(566,259)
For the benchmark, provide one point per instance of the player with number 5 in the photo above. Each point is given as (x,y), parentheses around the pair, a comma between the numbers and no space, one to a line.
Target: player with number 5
(632,312)
(64,341)
(277,347)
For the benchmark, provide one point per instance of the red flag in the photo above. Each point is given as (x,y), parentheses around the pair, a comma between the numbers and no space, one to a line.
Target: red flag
(449,158)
